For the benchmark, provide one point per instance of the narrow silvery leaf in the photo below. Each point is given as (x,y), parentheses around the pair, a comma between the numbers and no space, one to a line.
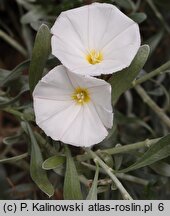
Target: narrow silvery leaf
(92,195)
(72,190)
(138,17)
(53,162)
(161,168)
(40,54)
(14,159)
(33,15)
(157,152)
(8,76)
(13,100)
(15,73)
(121,81)
(38,175)
(127,4)
(12,139)
(3,74)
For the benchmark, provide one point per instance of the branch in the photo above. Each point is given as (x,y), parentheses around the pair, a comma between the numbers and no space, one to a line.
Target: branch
(162,69)
(146,99)
(109,171)
(123,176)
(121,149)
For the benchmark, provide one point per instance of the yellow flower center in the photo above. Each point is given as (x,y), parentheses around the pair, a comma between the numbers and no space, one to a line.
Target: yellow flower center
(94,57)
(81,96)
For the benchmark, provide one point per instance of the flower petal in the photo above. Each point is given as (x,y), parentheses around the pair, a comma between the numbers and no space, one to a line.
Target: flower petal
(67,42)
(87,128)
(106,116)
(120,51)
(56,125)
(71,28)
(58,78)
(117,24)
(59,115)
(45,109)
(86,81)
(101,95)
(100,27)
(52,94)
(67,52)
(101,98)
(48,91)
(56,85)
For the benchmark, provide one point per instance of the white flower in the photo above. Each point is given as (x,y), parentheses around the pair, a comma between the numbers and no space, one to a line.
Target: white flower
(73,108)
(95,39)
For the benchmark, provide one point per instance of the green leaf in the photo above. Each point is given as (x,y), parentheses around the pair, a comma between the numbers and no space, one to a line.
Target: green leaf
(26,4)
(60,170)
(92,195)
(127,4)
(40,55)
(72,190)
(13,100)
(53,162)
(7,76)
(15,73)
(3,100)
(33,15)
(38,175)
(106,158)
(12,139)
(3,74)
(157,152)
(161,168)
(138,17)
(28,113)
(14,159)
(121,81)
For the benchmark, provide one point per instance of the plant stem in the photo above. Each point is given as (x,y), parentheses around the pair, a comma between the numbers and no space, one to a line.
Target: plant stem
(15,158)
(84,180)
(109,171)
(13,43)
(14,112)
(146,99)
(119,175)
(153,73)
(50,149)
(133,179)
(121,149)
(131,147)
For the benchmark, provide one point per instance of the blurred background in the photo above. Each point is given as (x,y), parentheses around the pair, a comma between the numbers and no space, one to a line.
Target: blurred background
(19,22)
